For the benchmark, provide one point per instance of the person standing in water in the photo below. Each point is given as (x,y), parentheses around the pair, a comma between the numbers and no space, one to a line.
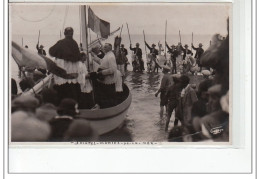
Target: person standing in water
(154,52)
(199,52)
(124,53)
(40,49)
(165,83)
(174,55)
(138,53)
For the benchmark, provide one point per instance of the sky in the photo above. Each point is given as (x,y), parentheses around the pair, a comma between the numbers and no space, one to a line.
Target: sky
(207,18)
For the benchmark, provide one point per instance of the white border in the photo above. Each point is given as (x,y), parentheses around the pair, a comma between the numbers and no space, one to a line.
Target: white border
(229,160)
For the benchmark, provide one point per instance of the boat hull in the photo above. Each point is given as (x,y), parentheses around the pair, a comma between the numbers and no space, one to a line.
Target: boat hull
(108,119)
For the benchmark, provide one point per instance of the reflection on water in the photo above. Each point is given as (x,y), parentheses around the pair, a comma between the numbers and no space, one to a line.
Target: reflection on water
(143,113)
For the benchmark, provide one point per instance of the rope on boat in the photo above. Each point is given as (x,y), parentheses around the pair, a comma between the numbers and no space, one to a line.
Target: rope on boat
(38,20)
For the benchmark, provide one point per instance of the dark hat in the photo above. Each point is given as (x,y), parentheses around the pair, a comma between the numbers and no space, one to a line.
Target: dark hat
(68,31)
(80,130)
(153,45)
(200,44)
(122,45)
(41,46)
(172,45)
(137,44)
(186,45)
(68,106)
(25,102)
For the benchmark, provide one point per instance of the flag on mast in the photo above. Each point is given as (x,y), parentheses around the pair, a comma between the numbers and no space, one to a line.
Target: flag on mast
(97,25)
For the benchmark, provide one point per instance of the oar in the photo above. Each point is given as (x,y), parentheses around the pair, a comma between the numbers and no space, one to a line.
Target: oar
(191,40)
(39,37)
(22,41)
(145,45)
(121,30)
(165,39)
(180,35)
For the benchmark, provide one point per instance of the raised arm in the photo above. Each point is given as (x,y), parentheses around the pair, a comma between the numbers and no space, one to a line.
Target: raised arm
(37,46)
(148,46)
(182,48)
(194,47)
(131,47)
(168,47)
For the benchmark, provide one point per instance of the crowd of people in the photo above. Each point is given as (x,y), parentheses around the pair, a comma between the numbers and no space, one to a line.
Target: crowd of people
(40,119)
(203,110)
(200,112)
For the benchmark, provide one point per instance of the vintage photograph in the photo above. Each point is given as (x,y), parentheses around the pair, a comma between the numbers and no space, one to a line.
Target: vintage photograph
(143,73)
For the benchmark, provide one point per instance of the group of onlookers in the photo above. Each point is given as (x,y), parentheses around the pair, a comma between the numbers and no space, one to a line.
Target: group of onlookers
(202,110)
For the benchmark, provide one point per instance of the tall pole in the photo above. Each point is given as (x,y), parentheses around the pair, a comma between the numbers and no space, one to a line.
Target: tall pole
(165,39)
(85,33)
(128,33)
(145,45)
(89,35)
(84,27)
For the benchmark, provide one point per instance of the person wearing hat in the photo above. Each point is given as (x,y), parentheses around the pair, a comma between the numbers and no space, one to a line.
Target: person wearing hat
(138,53)
(186,51)
(67,54)
(124,53)
(173,98)
(199,52)
(80,130)
(174,55)
(165,84)
(188,98)
(67,110)
(40,49)
(154,52)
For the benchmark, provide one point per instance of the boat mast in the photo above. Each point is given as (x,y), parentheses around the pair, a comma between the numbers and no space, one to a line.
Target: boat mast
(84,30)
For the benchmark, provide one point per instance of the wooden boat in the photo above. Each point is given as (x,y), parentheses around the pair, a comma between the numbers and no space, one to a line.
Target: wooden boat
(107,119)
(102,120)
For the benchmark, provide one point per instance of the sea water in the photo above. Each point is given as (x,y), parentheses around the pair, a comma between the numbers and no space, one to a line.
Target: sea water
(143,114)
